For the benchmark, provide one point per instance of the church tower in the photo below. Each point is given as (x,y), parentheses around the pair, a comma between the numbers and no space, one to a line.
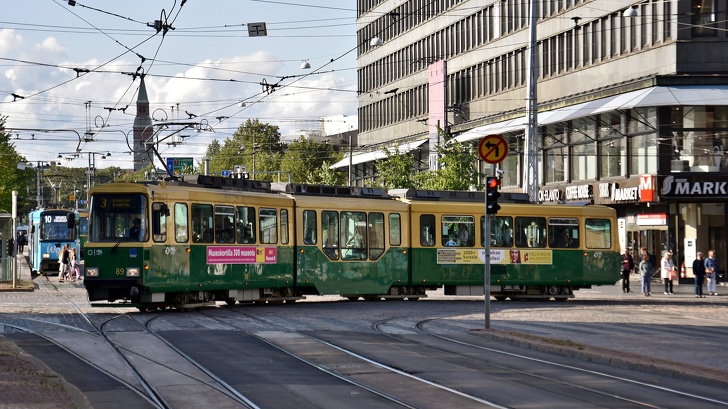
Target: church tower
(143,129)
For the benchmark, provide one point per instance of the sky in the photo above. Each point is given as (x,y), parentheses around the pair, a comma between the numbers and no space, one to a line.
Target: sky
(69,83)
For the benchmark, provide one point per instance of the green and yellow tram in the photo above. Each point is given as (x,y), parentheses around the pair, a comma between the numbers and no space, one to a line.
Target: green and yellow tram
(351,241)
(184,244)
(536,251)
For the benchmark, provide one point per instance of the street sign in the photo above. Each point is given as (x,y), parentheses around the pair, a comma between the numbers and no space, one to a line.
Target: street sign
(257,30)
(179,165)
(493,149)
(225,173)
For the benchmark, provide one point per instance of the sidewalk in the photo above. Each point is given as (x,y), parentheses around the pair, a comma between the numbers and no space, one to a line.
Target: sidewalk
(24,277)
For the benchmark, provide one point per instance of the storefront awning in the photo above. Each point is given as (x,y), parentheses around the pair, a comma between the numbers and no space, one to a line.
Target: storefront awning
(372,156)
(648,97)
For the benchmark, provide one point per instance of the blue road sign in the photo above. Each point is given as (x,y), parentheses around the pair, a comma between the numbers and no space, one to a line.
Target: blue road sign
(225,173)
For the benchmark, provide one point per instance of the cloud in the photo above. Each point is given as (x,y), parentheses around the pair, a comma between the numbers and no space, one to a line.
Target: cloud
(9,39)
(50,45)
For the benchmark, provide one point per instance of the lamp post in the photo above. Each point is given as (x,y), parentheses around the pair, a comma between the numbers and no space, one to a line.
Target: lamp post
(92,170)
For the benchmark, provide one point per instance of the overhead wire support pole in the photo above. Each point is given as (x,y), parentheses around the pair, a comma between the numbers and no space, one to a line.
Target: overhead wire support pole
(530,171)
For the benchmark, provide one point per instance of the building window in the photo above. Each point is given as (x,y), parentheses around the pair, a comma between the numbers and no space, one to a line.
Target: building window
(703,16)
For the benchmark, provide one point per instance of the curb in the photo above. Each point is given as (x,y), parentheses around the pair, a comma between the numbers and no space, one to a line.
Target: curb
(607,356)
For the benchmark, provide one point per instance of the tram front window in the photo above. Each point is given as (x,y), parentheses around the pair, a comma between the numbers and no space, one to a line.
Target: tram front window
(113,215)
(54,226)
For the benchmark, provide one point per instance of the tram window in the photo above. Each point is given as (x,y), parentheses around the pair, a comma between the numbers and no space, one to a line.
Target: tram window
(330,234)
(224,222)
(530,232)
(457,231)
(501,231)
(354,235)
(181,232)
(284,226)
(202,223)
(427,230)
(309,227)
(246,225)
(395,229)
(159,221)
(564,233)
(268,226)
(598,233)
(376,235)
(112,215)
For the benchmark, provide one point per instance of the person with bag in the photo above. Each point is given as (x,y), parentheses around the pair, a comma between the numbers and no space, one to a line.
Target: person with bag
(667,272)
(64,258)
(627,267)
(645,268)
(711,272)
(699,273)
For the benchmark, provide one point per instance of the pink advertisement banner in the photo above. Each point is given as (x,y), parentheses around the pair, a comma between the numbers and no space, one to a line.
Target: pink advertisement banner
(241,255)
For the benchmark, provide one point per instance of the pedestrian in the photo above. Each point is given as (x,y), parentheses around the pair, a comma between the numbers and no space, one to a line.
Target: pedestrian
(21,241)
(646,273)
(75,266)
(627,267)
(65,262)
(711,272)
(699,273)
(667,272)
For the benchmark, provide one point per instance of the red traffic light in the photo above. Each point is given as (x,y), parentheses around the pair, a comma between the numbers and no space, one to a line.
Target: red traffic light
(493,183)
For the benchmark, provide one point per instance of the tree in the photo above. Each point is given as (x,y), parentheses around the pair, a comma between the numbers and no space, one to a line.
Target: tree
(304,159)
(396,171)
(255,145)
(327,176)
(11,178)
(457,168)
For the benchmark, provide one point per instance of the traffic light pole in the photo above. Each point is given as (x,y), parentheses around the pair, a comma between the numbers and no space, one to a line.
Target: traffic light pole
(486,278)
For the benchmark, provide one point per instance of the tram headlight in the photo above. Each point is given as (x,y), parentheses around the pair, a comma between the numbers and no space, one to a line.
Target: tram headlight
(132,271)
(92,272)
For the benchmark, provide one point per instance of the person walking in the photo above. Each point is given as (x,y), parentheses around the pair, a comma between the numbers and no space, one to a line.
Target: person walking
(627,267)
(65,262)
(711,272)
(75,266)
(667,272)
(645,268)
(699,273)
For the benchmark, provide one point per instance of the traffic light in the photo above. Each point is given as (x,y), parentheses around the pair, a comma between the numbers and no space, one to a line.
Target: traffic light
(492,185)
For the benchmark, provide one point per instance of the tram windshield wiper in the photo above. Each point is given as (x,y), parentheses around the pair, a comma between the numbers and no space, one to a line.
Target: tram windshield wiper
(113,249)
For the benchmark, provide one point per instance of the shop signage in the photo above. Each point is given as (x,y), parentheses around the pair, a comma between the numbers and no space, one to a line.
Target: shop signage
(550,196)
(581,192)
(648,187)
(692,187)
(653,219)
(613,193)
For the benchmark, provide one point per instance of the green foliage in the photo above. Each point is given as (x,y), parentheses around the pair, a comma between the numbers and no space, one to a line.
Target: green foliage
(305,158)
(11,178)
(457,168)
(332,177)
(255,145)
(396,171)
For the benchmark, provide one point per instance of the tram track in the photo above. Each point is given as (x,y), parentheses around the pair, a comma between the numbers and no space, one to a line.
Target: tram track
(145,387)
(547,380)
(355,368)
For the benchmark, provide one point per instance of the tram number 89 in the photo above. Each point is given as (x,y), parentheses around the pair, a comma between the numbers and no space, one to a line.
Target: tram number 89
(120,271)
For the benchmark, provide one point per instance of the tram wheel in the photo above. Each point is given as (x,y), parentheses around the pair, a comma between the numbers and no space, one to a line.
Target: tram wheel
(413,298)
(352,298)
(230,301)
(500,297)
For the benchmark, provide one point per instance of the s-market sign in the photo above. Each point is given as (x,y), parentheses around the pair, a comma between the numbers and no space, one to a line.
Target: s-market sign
(691,187)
